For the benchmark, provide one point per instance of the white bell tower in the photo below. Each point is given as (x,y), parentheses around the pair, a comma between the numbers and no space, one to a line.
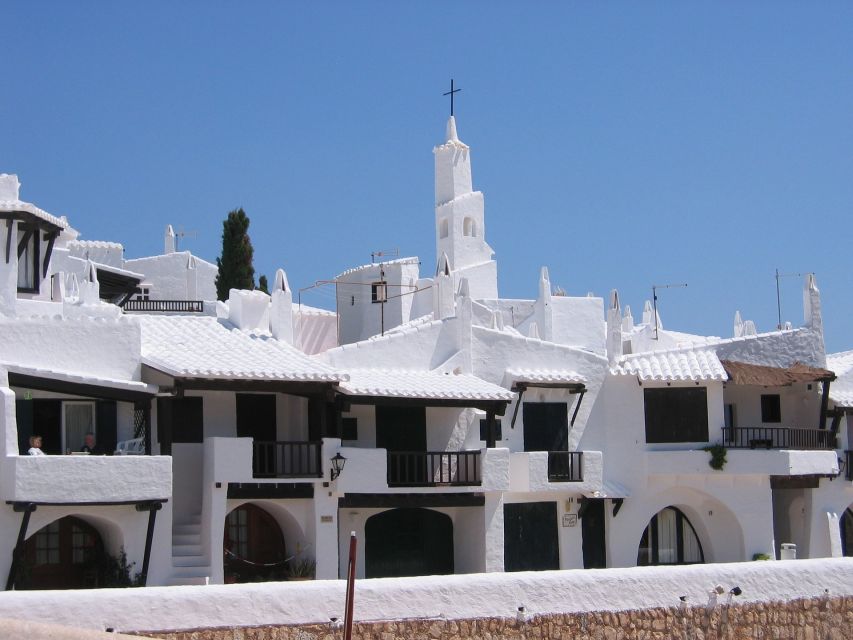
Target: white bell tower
(460,229)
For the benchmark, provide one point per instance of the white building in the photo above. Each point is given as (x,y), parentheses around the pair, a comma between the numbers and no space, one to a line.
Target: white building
(453,430)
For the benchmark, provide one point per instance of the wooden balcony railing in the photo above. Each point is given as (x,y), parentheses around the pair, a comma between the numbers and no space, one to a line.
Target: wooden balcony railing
(778,438)
(165,306)
(433,468)
(848,458)
(287,460)
(565,466)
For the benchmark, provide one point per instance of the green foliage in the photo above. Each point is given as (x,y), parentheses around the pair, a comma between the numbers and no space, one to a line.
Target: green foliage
(760,556)
(235,264)
(263,285)
(303,568)
(718,456)
(115,571)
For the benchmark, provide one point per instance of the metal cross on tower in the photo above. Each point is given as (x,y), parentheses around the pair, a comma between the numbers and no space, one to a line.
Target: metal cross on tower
(450,93)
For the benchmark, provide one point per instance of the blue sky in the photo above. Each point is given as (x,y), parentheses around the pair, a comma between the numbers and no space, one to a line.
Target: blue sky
(621,144)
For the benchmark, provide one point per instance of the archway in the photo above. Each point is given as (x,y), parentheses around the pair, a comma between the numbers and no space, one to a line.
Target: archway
(846,524)
(254,549)
(408,542)
(669,538)
(68,553)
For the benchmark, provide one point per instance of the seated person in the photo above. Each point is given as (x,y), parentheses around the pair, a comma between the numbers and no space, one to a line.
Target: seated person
(90,446)
(35,446)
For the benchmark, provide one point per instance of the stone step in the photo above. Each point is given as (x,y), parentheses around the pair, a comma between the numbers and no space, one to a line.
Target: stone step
(189,561)
(190,549)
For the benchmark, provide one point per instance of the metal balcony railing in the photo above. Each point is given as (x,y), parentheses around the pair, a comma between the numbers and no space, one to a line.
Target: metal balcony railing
(287,459)
(778,438)
(433,468)
(565,466)
(165,306)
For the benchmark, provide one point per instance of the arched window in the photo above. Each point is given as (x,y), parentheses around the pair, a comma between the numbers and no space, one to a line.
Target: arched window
(66,554)
(847,532)
(669,539)
(254,546)
(469,227)
(444,228)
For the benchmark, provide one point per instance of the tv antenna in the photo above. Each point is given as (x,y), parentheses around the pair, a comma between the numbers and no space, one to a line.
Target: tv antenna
(779,297)
(655,288)
(183,233)
(392,253)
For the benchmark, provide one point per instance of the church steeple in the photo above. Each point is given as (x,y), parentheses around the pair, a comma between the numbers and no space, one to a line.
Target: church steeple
(460,228)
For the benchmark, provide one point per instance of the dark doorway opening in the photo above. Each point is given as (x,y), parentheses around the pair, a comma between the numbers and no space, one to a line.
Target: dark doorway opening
(408,542)
(546,426)
(530,537)
(592,529)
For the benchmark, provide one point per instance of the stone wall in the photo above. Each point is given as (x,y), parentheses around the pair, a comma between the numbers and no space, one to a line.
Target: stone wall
(822,618)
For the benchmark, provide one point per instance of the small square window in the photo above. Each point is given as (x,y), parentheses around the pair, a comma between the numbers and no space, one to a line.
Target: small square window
(771,408)
(349,429)
(484,430)
(379,292)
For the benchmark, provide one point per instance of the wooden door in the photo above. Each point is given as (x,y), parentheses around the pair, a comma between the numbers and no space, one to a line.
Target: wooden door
(530,536)
(592,528)
(546,426)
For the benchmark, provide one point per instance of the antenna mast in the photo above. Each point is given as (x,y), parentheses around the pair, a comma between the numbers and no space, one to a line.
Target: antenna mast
(655,288)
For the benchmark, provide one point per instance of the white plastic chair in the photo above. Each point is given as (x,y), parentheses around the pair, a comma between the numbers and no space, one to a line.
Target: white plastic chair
(134,447)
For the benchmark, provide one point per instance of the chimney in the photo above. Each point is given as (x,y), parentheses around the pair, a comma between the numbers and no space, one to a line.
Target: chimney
(614,328)
(10,188)
(169,240)
(281,308)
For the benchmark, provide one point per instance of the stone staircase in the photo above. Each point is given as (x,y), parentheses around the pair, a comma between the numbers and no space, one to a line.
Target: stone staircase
(190,563)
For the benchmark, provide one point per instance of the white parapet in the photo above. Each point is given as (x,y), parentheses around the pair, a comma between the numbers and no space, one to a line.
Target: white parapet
(76,479)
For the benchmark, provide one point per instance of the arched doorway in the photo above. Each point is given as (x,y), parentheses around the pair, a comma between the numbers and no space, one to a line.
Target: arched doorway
(254,549)
(66,554)
(847,532)
(669,538)
(408,542)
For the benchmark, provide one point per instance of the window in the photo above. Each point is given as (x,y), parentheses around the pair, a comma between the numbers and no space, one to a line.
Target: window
(730,421)
(144,293)
(469,227)
(47,544)
(28,258)
(78,420)
(349,427)
(669,539)
(676,415)
(379,292)
(484,430)
(771,408)
(179,420)
(444,228)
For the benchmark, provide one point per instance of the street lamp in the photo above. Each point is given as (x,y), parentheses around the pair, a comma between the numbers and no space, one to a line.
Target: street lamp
(338,463)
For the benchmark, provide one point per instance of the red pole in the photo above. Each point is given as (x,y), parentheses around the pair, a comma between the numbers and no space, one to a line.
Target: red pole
(350,588)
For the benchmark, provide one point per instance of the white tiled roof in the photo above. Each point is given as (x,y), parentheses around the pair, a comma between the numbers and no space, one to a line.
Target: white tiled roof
(410,260)
(840,363)
(679,364)
(205,347)
(841,398)
(11,206)
(421,384)
(82,378)
(545,376)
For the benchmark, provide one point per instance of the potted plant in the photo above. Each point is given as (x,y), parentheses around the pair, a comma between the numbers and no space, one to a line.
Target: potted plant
(302,569)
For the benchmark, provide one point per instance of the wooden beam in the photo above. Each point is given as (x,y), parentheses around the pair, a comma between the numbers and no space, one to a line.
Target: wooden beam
(51,240)
(423,500)
(8,240)
(270,490)
(76,388)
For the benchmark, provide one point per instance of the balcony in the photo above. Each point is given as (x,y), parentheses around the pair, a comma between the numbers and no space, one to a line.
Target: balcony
(76,479)
(434,468)
(165,306)
(778,438)
(565,466)
(575,471)
(287,459)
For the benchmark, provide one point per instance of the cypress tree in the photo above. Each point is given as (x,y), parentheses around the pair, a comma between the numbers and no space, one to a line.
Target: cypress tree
(263,285)
(235,265)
